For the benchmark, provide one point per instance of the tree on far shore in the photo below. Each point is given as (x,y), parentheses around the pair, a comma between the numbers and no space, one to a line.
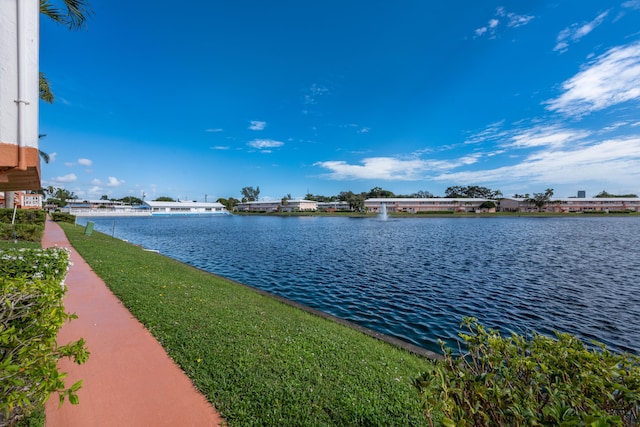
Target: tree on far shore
(603,193)
(540,200)
(250,194)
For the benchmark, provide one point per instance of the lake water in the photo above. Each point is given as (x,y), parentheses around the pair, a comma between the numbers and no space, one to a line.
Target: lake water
(416,278)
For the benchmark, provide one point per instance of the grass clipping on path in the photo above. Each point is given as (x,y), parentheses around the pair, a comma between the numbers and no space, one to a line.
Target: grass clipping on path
(260,362)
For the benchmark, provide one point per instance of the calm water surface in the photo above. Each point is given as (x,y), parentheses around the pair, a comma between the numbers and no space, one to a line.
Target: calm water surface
(416,278)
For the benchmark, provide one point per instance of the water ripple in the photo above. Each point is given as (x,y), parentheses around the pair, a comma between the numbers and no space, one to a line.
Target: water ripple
(416,278)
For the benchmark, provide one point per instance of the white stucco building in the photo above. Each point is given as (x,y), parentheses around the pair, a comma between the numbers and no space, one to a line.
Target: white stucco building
(19,95)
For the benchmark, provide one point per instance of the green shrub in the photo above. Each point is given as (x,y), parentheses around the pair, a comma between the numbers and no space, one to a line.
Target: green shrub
(23,216)
(517,381)
(51,263)
(31,313)
(24,232)
(63,217)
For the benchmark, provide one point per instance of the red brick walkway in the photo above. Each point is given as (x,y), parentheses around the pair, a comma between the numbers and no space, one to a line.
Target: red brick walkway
(129,379)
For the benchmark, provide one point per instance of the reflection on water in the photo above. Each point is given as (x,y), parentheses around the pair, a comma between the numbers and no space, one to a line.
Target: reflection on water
(416,278)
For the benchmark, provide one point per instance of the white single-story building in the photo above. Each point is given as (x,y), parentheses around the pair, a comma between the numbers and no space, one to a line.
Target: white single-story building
(186,208)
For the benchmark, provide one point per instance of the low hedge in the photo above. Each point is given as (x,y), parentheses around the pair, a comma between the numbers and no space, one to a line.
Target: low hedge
(23,216)
(63,217)
(28,224)
(540,381)
(31,314)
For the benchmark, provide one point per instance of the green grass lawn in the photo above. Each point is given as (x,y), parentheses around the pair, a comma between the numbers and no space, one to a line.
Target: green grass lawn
(261,362)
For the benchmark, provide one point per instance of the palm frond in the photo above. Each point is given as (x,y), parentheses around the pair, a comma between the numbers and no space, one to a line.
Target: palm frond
(44,156)
(45,91)
(73,15)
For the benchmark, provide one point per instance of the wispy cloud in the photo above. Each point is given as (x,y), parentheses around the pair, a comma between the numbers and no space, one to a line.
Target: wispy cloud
(501,16)
(615,160)
(632,4)
(265,144)
(214,130)
(257,125)
(575,32)
(220,147)
(313,93)
(611,79)
(545,136)
(85,162)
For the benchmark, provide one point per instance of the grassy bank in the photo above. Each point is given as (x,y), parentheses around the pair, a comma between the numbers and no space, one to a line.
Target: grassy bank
(260,362)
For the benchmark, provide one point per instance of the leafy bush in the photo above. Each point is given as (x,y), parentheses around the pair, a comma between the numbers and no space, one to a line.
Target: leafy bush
(538,381)
(31,313)
(23,216)
(63,217)
(28,225)
(24,232)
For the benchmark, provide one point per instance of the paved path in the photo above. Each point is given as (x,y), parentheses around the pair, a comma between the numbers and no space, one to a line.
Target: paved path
(129,379)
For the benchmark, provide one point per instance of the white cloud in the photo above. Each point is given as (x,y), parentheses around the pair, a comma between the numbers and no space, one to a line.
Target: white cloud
(577,31)
(594,88)
(52,157)
(96,182)
(85,162)
(364,130)
(632,4)
(262,144)
(69,164)
(220,147)
(546,136)
(391,169)
(71,177)
(214,130)
(257,125)
(114,182)
(386,168)
(616,161)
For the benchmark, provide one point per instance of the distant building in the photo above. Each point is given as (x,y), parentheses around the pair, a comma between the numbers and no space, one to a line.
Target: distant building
(582,194)
(334,206)
(278,206)
(186,208)
(97,208)
(28,201)
(436,204)
(24,200)
(573,204)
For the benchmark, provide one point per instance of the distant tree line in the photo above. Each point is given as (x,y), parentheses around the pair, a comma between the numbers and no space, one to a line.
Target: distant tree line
(60,196)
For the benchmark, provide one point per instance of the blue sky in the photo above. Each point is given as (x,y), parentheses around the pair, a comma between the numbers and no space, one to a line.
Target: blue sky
(336,95)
